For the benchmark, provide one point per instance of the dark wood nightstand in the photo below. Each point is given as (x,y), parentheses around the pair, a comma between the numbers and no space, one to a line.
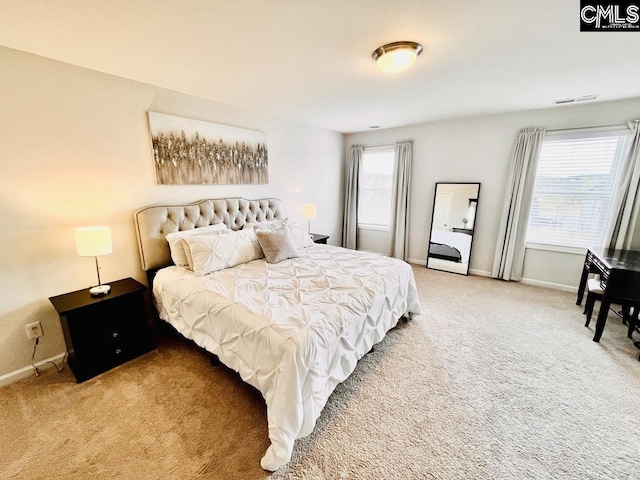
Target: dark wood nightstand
(104,332)
(319,238)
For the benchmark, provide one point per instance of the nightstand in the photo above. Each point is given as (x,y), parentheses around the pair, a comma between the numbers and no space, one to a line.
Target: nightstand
(104,332)
(319,238)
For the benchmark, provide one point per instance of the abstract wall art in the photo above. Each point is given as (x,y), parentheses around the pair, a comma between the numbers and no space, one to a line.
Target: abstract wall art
(193,152)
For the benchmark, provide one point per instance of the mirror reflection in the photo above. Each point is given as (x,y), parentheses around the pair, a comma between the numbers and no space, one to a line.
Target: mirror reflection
(452,225)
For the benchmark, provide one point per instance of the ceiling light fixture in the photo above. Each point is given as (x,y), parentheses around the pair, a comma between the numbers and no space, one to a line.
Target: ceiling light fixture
(397,56)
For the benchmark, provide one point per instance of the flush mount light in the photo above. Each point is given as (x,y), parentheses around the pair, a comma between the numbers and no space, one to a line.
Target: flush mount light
(397,56)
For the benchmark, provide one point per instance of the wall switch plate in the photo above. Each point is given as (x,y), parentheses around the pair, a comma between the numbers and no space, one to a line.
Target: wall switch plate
(34,330)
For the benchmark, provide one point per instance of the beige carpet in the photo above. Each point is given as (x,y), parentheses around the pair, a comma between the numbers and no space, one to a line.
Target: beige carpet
(495,381)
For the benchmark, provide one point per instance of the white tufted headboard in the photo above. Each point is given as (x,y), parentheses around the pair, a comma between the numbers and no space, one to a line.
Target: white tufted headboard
(153,223)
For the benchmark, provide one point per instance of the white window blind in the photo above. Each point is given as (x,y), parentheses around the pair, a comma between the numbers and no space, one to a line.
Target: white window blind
(575,178)
(376,187)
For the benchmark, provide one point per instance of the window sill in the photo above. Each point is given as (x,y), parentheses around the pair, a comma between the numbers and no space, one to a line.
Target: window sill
(376,228)
(556,248)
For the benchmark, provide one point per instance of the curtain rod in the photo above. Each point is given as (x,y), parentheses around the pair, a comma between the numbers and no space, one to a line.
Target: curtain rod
(377,145)
(585,128)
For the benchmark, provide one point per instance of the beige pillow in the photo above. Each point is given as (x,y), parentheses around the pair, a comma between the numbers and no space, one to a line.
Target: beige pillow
(277,245)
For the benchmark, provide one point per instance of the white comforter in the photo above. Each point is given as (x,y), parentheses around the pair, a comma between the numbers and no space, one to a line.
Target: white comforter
(294,330)
(459,241)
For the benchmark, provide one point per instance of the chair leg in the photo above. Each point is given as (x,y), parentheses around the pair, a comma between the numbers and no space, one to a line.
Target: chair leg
(626,313)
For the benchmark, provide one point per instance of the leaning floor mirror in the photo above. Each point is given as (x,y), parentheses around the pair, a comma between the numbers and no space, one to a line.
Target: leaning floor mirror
(452,225)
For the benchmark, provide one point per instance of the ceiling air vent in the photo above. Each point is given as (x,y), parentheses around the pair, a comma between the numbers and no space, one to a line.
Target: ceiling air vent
(563,101)
(584,98)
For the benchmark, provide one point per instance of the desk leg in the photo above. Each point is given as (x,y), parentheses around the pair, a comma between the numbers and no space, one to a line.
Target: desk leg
(602,318)
(583,284)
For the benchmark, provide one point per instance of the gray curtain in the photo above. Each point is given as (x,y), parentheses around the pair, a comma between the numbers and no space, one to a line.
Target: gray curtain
(625,204)
(509,257)
(350,221)
(399,229)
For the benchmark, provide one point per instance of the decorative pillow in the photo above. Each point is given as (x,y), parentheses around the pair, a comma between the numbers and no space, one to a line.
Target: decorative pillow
(268,225)
(211,253)
(187,250)
(277,245)
(299,235)
(178,254)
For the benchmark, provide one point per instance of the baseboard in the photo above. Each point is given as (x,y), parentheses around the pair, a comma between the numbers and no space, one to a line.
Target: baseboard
(472,271)
(526,281)
(371,251)
(25,372)
(555,286)
(480,273)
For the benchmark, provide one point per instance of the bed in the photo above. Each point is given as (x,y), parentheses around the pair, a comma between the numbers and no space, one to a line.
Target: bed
(293,329)
(452,246)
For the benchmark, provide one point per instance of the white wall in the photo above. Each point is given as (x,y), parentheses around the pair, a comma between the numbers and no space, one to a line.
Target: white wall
(374,240)
(75,150)
(478,149)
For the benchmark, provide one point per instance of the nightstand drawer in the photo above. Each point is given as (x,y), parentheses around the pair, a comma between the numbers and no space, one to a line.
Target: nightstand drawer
(119,328)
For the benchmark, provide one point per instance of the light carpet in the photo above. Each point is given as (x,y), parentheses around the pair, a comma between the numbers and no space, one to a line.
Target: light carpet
(495,380)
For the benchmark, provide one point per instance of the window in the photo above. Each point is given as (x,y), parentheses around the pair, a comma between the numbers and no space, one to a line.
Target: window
(376,187)
(576,175)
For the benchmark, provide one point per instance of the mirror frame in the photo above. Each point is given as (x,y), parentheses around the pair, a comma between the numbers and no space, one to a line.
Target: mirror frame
(472,230)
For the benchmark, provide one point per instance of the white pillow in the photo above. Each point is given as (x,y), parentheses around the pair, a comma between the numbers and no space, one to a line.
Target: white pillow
(187,250)
(211,253)
(299,235)
(178,254)
(268,225)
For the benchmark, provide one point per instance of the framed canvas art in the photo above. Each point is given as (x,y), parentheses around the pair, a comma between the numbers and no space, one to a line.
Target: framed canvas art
(194,152)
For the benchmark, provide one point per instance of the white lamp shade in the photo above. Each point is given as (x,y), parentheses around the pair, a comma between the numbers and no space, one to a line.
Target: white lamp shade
(309,210)
(93,241)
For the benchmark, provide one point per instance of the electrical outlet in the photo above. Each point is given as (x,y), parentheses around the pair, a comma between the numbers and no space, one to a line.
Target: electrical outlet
(34,330)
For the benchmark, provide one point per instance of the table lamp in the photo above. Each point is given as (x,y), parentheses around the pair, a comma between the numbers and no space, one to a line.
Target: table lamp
(309,212)
(93,242)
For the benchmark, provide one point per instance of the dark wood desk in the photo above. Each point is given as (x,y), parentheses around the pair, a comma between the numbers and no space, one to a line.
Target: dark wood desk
(620,280)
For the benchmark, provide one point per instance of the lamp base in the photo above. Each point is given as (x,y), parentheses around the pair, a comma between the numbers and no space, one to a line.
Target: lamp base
(99,290)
